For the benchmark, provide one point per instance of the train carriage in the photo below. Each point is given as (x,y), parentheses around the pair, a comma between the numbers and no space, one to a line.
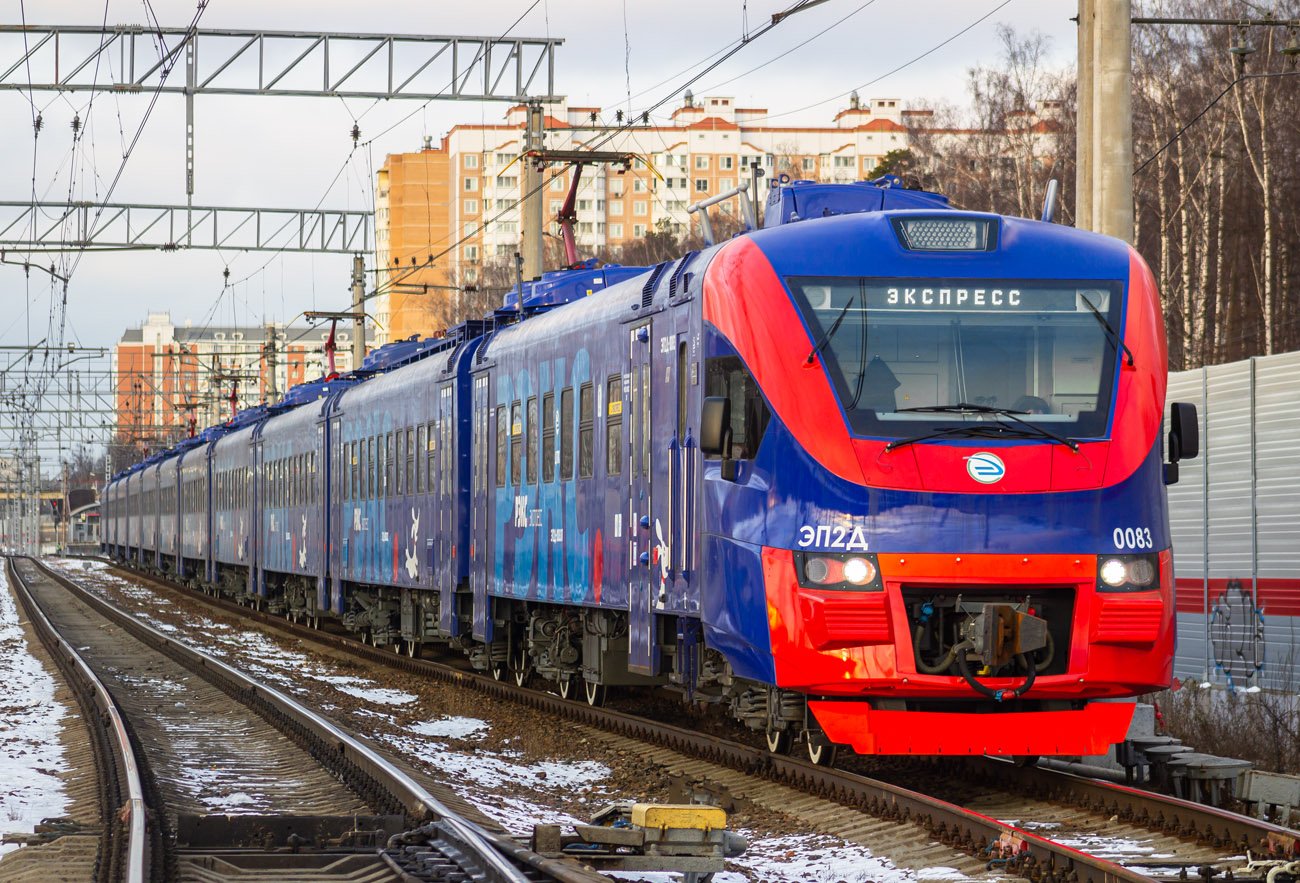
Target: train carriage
(169,509)
(193,544)
(397,526)
(231,467)
(149,506)
(291,518)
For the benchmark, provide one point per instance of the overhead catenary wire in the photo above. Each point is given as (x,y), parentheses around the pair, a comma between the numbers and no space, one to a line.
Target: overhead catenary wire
(613,133)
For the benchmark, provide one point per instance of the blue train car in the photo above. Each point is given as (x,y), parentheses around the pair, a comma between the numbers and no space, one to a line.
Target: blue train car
(193,544)
(398,525)
(292,477)
(231,566)
(168,509)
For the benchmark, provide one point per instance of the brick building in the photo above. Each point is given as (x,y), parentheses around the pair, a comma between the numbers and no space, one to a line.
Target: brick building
(467,187)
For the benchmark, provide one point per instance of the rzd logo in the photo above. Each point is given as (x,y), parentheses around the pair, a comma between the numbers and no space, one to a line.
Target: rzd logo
(985,468)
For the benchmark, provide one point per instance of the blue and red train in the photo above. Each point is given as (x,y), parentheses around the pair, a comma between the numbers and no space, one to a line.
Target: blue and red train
(882,474)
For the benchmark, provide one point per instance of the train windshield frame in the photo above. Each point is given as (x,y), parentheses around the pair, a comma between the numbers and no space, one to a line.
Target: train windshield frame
(895,348)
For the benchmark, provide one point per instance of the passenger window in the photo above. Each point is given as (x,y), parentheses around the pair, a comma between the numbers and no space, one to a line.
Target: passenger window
(516,442)
(531,435)
(420,457)
(566,434)
(727,376)
(502,416)
(586,430)
(548,437)
(614,425)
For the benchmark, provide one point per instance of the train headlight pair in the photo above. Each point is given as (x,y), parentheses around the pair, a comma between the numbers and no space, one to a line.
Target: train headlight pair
(1127,573)
(818,570)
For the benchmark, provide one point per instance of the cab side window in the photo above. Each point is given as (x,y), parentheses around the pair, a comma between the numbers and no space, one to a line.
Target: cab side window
(728,376)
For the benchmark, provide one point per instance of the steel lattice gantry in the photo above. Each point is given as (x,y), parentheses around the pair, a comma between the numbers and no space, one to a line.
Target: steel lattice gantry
(171,227)
(236,62)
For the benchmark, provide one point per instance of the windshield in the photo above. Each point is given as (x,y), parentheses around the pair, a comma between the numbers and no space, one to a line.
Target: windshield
(893,345)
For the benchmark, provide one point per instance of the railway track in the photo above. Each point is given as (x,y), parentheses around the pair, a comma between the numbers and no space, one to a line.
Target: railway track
(209,775)
(1064,825)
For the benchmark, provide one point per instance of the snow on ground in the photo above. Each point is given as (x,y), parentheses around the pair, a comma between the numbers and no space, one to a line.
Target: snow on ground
(31,755)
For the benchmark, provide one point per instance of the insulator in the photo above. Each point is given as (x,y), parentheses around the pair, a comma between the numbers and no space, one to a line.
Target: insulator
(618,115)
(40,121)
(356,133)
(76,123)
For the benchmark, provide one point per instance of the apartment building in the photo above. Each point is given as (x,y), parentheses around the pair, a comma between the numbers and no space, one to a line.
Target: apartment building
(456,203)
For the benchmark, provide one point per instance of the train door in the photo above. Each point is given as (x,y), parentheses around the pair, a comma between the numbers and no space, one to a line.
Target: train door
(642,650)
(479,518)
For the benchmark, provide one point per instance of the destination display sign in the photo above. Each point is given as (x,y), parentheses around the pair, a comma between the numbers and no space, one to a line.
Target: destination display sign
(982,297)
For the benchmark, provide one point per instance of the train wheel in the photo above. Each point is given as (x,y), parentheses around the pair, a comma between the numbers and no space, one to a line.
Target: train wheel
(498,672)
(413,649)
(778,741)
(565,687)
(821,752)
(595,693)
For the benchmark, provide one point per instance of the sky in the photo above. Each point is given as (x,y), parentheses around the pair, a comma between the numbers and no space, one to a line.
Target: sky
(297,152)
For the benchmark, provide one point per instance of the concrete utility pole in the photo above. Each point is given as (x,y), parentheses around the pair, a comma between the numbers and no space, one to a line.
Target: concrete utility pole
(272,385)
(358,316)
(531,205)
(1104,189)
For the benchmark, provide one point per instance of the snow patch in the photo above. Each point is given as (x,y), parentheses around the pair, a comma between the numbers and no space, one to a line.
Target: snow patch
(452,728)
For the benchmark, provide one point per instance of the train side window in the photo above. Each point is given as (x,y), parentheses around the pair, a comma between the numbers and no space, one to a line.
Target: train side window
(531,436)
(419,456)
(390,476)
(372,463)
(503,414)
(566,434)
(586,429)
(727,376)
(614,425)
(548,437)
(516,443)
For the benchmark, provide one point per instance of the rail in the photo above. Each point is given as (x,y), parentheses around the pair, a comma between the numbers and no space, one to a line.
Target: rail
(134,858)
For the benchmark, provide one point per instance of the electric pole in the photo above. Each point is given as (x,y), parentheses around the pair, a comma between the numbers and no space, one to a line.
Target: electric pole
(358,317)
(531,204)
(1104,187)
(272,384)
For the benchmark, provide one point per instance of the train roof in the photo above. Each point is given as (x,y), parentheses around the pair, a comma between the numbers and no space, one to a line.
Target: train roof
(791,201)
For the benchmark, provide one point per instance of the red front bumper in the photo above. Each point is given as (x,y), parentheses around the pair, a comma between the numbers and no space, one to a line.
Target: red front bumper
(1091,730)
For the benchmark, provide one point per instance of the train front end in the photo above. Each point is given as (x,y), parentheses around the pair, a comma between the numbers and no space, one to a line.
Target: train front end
(957,507)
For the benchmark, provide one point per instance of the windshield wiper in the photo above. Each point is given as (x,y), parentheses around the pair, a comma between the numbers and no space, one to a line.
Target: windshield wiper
(830,332)
(964,408)
(977,430)
(1111,334)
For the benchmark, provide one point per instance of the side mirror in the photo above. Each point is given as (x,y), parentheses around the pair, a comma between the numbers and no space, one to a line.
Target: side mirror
(1184,432)
(715,424)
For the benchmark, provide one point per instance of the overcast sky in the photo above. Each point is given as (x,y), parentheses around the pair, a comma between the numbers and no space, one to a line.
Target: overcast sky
(284,152)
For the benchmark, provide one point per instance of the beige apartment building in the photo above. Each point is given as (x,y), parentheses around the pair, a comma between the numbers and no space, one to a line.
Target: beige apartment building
(457,200)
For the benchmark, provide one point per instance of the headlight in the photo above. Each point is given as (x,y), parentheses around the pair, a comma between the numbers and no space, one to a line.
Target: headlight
(1114,572)
(828,570)
(1127,573)
(859,571)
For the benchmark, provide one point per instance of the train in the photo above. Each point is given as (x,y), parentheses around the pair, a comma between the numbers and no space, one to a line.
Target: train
(880,475)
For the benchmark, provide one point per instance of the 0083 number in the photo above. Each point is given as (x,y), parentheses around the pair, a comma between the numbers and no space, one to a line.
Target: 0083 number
(1132,538)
